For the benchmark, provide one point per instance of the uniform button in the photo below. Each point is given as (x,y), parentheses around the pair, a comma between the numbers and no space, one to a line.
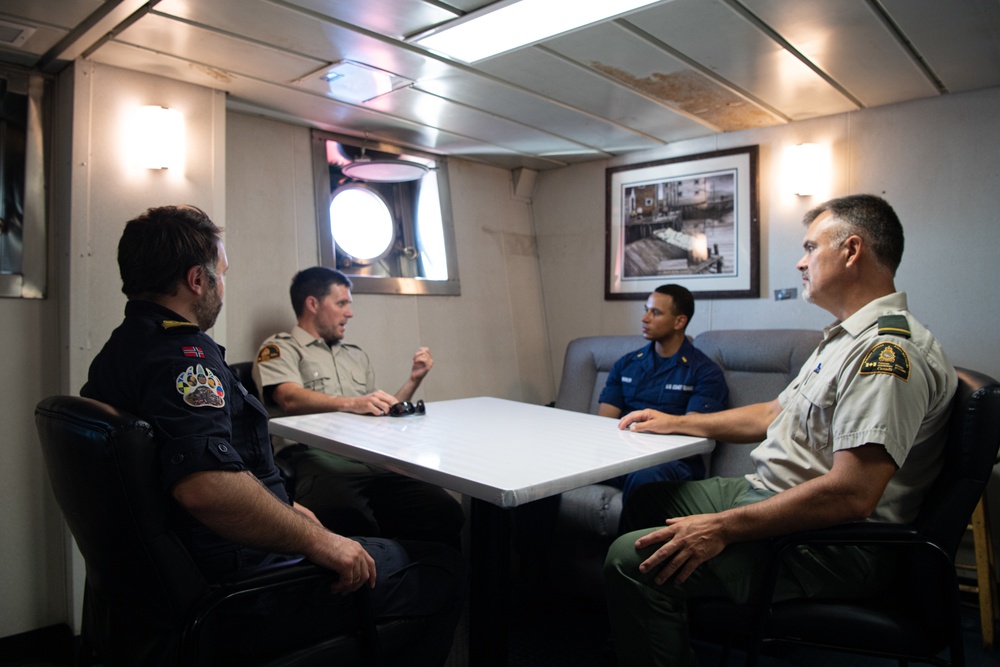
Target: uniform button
(177,458)
(223,448)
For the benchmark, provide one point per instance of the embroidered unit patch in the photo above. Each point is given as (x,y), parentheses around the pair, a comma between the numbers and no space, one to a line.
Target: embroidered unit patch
(201,388)
(268,352)
(886,359)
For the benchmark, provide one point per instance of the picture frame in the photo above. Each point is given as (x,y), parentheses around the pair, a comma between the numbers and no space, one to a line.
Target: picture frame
(691,220)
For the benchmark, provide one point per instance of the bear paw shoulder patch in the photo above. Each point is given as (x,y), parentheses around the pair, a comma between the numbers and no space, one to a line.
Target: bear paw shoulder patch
(201,388)
(886,359)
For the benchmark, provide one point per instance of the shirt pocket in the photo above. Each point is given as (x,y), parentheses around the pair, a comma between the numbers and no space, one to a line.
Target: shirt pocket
(816,418)
(313,376)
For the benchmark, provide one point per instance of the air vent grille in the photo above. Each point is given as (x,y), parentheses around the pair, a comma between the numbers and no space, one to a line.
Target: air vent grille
(12,34)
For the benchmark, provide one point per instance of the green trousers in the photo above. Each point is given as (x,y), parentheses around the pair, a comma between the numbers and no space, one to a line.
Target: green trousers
(649,622)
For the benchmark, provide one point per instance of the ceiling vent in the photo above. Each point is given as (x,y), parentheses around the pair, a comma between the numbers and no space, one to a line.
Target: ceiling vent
(13,34)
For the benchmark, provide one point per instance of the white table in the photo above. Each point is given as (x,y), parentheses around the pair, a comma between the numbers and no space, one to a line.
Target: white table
(500,453)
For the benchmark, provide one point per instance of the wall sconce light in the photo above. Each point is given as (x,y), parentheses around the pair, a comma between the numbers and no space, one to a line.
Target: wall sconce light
(807,169)
(157,140)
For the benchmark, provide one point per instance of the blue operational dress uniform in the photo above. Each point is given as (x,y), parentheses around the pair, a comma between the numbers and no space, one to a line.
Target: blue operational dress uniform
(164,369)
(686,382)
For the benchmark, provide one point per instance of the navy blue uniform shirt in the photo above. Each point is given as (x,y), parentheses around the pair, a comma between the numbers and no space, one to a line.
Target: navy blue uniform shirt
(165,370)
(686,382)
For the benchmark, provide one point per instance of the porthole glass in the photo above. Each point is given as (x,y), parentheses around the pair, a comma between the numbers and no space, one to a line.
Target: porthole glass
(361,223)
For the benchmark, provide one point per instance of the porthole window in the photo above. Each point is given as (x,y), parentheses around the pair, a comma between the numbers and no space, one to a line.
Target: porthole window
(384,217)
(361,224)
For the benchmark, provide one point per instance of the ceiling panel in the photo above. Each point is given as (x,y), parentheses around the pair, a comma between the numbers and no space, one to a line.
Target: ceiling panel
(960,39)
(848,41)
(676,70)
(544,73)
(616,52)
(440,113)
(396,18)
(731,47)
(538,111)
(218,50)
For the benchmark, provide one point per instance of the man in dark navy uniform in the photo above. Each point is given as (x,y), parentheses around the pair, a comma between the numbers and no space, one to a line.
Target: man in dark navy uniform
(670,375)
(232,510)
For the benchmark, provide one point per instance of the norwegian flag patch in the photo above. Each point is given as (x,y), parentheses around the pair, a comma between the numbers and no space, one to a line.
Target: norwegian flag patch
(191,351)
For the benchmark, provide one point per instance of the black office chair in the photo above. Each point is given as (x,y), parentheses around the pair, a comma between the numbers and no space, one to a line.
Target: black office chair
(918,617)
(145,601)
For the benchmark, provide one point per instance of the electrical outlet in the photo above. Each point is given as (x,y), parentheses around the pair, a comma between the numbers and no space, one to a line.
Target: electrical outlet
(785,294)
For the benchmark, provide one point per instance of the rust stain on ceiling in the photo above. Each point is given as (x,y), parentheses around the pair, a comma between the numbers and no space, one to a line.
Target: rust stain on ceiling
(698,96)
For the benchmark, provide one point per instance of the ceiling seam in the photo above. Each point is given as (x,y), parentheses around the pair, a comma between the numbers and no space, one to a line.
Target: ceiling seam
(51,56)
(882,14)
(757,22)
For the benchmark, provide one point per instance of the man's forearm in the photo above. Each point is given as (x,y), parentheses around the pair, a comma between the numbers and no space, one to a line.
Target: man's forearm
(849,492)
(745,424)
(301,401)
(238,507)
(409,388)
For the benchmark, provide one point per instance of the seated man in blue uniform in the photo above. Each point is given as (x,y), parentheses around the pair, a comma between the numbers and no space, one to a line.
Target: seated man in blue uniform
(670,375)
(857,435)
(232,510)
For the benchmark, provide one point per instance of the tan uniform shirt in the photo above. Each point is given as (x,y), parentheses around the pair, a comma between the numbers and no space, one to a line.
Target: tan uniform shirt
(338,370)
(861,386)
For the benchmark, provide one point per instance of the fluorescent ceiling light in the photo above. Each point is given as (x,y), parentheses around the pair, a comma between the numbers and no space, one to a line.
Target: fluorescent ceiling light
(504,26)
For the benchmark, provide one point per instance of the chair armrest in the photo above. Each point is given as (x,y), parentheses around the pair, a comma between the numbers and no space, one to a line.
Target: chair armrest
(273,577)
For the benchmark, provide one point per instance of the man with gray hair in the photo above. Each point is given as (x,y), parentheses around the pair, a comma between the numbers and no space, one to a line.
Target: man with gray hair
(857,435)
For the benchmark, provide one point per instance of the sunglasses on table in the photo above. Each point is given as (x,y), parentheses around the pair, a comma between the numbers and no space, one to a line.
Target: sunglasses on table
(407,408)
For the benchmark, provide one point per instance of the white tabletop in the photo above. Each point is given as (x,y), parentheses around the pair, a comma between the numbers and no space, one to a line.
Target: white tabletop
(501,451)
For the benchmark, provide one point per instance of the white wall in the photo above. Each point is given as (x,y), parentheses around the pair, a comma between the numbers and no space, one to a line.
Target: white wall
(935,161)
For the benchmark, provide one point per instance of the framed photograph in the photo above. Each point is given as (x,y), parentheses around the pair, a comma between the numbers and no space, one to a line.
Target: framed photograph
(689,220)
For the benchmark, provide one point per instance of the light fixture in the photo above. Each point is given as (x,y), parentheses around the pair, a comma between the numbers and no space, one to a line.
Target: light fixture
(353,82)
(157,138)
(507,25)
(382,170)
(807,169)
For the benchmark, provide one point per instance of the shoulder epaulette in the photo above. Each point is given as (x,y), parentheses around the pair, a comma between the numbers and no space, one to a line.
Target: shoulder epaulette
(894,325)
(173,324)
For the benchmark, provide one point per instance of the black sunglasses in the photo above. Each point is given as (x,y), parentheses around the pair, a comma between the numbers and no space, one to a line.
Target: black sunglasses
(407,408)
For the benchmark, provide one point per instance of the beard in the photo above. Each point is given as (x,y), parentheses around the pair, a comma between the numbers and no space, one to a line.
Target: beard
(207,307)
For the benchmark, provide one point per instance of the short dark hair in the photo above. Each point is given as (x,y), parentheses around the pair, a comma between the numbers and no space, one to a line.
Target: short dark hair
(314,282)
(158,247)
(682,298)
(870,217)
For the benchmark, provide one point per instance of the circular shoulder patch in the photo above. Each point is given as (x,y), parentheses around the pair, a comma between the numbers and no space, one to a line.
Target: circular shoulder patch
(886,359)
(201,388)
(268,352)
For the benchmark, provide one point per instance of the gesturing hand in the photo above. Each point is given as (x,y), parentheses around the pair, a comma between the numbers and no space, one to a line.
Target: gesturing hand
(422,364)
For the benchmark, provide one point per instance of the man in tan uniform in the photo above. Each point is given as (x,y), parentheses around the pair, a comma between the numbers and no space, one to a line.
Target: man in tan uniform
(857,435)
(311,369)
